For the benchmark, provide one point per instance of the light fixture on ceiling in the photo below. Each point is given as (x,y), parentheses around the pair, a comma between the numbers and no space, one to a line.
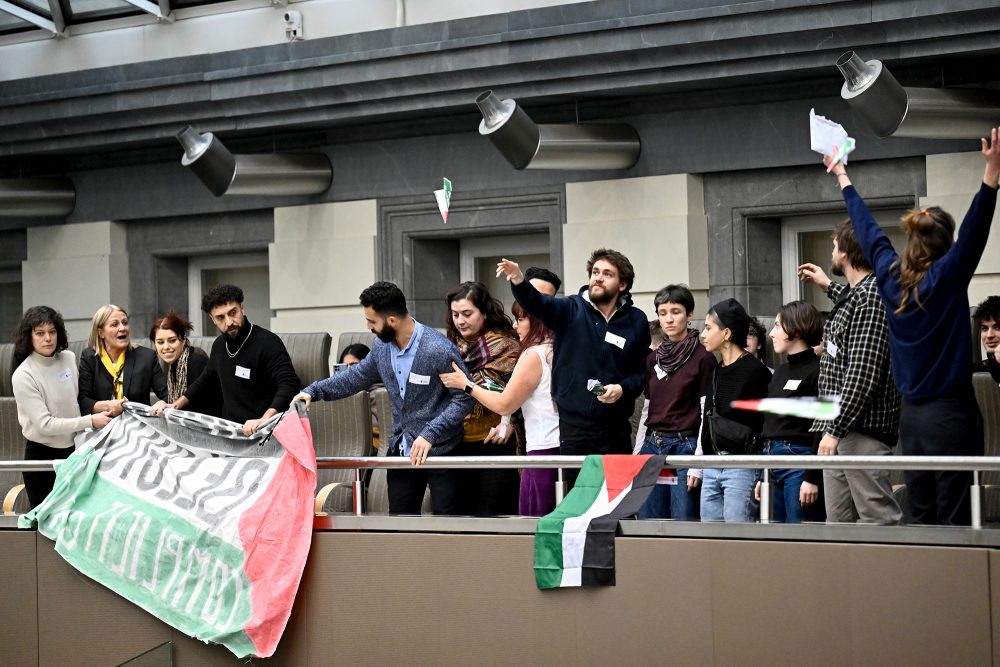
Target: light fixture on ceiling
(527,145)
(931,113)
(223,173)
(36,197)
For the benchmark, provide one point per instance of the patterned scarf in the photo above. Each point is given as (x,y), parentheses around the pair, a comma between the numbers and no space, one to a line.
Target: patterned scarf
(115,369)
(493,356)
(670,355)
(177,376)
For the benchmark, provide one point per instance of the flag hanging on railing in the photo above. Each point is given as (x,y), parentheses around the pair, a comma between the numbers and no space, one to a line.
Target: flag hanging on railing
(191,520)
(575,544)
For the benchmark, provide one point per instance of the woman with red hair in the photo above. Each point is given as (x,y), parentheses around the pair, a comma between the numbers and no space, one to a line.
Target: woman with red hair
(182,363)
(925,291)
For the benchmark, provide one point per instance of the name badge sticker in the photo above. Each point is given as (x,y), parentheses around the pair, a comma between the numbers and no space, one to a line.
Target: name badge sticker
(792,385)
(832,348)
(242,372)
(419,379)
(615,340)
(660,373)
(66,374)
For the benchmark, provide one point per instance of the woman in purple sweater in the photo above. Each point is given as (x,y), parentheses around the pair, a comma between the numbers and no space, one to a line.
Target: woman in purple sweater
(926,297)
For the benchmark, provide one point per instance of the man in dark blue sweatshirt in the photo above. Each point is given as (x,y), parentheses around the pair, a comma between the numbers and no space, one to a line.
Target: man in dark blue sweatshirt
(598,363)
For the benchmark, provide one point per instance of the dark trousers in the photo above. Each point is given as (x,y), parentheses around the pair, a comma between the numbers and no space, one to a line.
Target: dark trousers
(39,484)
(595,439)
(488,492)
(407,487)
(949,426)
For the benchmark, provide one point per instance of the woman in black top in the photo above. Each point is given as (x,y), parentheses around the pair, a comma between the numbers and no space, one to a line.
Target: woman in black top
(112,370)
(183,363)
(798,326)
(727,494)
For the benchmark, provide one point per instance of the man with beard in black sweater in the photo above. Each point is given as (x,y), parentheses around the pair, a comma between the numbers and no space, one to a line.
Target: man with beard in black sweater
(249,362)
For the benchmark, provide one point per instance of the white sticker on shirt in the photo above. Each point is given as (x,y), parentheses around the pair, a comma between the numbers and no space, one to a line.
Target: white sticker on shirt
(243,372)
(792,385)
(615,340)
(660,373)
(419,379)
(67,374)
(832,348)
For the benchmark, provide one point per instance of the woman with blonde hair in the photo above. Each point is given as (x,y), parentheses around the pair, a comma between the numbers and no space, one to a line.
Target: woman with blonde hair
(925,291)
(113,370)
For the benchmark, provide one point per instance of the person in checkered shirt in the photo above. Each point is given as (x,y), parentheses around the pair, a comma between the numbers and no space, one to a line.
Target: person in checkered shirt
(855,366)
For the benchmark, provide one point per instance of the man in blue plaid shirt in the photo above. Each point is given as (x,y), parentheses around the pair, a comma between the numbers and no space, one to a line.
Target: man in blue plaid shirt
(855,365)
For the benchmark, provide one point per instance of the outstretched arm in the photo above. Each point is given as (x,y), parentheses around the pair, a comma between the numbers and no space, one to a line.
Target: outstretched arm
(991,153)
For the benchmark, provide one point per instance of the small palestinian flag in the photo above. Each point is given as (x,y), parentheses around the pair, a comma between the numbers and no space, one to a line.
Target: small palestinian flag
(575,544)
(443,197)
(805,407)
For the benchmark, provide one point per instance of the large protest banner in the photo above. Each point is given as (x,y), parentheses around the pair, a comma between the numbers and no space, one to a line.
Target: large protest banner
(191,520)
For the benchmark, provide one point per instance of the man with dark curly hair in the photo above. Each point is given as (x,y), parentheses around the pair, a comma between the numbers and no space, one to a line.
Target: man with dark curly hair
(987,320)
(249,363)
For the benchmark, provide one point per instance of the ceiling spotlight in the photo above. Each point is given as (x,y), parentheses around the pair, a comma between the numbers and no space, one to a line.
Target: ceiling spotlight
(275,174)
(931,113)
(527,145)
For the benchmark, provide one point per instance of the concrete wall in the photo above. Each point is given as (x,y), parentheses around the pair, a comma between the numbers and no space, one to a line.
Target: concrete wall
(75,269)
(473,601)
(321,258)
(658,222)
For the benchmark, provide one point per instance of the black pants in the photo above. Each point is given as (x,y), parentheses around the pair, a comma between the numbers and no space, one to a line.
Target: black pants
(949,426)
(489,492)
(598,439)
(407,486)
(39,484)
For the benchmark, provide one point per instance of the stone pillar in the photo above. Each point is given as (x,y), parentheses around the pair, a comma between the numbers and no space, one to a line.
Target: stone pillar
(76,269)
(322,257)
(658,222)
(952,182)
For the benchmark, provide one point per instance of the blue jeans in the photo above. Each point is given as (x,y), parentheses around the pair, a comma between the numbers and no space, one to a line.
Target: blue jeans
(786,483)
(727,495)
(671,500)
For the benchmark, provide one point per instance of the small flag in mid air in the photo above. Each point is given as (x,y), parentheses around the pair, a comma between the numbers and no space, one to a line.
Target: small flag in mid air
(443,197)
(827,137)
(806,407)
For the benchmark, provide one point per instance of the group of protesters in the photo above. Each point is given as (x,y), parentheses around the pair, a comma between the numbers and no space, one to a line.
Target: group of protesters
(564,376)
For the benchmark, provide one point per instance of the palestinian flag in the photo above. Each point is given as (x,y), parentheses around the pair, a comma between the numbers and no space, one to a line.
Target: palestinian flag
(575,544)
(183,515)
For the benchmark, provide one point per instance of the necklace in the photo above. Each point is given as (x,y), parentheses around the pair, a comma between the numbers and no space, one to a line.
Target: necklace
(233,354)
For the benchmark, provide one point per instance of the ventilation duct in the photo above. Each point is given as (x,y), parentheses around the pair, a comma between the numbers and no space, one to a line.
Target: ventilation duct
(277,175)
(36,197)
(527,145)
(930,113)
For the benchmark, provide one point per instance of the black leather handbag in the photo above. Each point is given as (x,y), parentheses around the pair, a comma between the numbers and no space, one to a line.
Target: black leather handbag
(728,435)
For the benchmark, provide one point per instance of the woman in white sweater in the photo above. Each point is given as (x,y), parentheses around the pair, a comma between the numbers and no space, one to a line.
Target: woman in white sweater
(45,388)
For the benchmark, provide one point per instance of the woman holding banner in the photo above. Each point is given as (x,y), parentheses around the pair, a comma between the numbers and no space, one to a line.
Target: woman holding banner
(113,370)
(45,386)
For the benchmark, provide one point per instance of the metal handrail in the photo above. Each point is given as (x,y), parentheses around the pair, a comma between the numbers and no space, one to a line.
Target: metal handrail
(975,464)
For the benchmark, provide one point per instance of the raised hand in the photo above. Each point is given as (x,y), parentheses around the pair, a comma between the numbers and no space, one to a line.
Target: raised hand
(991,153)
(510,269)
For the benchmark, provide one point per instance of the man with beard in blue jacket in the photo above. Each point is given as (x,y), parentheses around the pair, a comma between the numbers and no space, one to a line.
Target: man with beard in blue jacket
(601,342)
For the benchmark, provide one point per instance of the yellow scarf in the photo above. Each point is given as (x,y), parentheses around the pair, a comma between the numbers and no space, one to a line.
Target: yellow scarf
(117,370)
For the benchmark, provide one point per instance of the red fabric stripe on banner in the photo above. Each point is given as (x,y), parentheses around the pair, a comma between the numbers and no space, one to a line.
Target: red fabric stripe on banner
(620,470)
(276,549)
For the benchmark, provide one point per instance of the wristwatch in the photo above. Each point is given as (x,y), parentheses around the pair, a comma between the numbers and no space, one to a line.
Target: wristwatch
(468,388)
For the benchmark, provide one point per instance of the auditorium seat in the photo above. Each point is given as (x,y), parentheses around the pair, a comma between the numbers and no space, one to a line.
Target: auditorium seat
(310,353)
(340,428)
(11,449)
(6,369)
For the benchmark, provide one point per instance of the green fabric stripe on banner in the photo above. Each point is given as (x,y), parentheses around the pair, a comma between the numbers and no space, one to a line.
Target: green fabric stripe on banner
(154,557)
(548,534)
